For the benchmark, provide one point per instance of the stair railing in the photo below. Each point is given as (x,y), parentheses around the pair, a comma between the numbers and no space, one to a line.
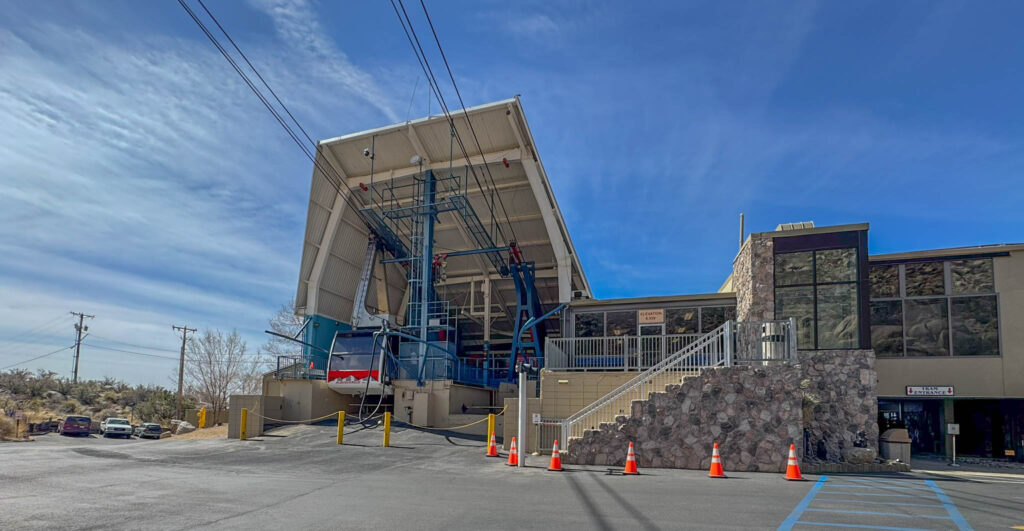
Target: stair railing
(713,349)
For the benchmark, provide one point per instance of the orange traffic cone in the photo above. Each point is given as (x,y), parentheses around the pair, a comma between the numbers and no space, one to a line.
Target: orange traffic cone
(793,468)
(556,460)
(311,365)
(716,464)
(513,454)
(630,461)
(492,447)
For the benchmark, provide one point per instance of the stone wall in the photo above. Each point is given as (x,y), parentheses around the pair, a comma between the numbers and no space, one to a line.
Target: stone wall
(754,413)
(753,278)
(840,406)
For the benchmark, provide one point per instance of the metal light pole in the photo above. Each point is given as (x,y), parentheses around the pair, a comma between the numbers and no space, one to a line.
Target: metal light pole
(522,369)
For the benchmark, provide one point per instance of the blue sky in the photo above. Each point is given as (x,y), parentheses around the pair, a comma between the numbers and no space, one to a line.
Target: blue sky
(141,181)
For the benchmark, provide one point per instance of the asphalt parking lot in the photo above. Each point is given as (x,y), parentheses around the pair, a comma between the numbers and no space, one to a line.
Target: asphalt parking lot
(297,477)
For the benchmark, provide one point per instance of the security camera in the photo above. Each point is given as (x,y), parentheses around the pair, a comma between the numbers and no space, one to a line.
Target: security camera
(366,152)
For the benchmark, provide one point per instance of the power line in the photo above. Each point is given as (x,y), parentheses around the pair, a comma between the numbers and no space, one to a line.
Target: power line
(173,358)
(466,114)
(421,57)
(37,357)
(333,177)
(136,345)
(29,334)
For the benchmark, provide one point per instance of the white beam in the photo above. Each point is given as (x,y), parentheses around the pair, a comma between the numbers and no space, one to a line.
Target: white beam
(323,249)
(417,145)
(547,210)
(476,160)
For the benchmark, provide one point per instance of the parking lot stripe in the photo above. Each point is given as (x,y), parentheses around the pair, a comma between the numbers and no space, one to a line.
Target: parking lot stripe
(886,494)
(862,526)
(954,513)
(868,502)
(900,483)
(887,487)
(873,513)
(791,520)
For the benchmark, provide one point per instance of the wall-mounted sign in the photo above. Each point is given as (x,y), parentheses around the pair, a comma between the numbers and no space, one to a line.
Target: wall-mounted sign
(953,429)
(651,316)
(929,390)
(536,418)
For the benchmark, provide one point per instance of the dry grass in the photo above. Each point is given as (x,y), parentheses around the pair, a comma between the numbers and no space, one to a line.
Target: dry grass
(216,432)
(7,428)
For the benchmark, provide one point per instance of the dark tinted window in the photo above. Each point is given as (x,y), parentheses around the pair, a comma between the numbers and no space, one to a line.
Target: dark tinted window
(681,321)
(885,282)
(794,268)
(590,324)
(975,326)
(887,328)
(712,318)
(972,276)
(622,323)
(926,278)
(927,326)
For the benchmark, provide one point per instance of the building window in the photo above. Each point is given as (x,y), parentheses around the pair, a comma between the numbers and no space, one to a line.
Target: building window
(621,323)
(590,324)
(715,316)
(820,290)
(936,308)
(682,320)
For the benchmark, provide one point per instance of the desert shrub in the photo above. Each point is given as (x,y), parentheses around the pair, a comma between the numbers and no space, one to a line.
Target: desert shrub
(70,406)
(7,428)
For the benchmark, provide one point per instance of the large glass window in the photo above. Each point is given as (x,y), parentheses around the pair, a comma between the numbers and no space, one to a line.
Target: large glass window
(887,328)
(621,323)
(975,326)
(681,320)
(924,279)
(713,317)
(927,327)
(972,276)
(885,282)
(948,308)
(820,290)
(590,324)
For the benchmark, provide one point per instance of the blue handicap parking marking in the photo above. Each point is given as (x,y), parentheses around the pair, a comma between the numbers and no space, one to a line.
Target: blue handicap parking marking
(876,503)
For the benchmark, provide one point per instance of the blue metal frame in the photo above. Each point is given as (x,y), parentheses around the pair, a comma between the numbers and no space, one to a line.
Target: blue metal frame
(528,305)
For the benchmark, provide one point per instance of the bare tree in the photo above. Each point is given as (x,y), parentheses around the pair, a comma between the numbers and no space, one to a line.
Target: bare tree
(286,323)
(216,366)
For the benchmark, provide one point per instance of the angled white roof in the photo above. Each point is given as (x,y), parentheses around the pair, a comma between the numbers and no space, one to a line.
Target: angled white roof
(336,237)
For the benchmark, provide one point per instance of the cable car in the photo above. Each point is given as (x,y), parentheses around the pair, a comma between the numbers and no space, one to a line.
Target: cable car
(357,366)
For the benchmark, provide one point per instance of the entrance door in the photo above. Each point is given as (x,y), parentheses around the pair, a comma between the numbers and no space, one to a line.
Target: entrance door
(652,344)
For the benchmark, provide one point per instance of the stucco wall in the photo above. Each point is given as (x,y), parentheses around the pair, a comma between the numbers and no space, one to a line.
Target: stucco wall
(971,376)
(565,393)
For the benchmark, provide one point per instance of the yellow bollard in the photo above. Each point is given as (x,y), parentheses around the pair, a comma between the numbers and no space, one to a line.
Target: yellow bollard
(245,420)
(387,429)
(341,426)
(490,426)
(202,418)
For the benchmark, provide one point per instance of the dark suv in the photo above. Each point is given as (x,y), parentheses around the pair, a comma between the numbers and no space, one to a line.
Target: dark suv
(75,425)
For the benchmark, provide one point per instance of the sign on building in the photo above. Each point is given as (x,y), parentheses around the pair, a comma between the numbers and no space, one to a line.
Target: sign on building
(651,316)
(953,429)
(536,418)
(929,390)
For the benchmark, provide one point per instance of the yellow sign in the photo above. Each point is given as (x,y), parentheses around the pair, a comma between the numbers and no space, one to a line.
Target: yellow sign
(1009,453)
(651,316)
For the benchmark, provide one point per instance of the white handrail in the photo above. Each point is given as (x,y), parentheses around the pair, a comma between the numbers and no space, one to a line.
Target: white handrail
(711,350)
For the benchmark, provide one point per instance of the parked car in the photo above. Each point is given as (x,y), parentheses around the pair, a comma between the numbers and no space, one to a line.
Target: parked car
(116,426)
(148,430)
(75,425)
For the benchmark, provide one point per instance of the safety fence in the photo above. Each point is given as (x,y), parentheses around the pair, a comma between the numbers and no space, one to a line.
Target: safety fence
(622,353)
(301,368)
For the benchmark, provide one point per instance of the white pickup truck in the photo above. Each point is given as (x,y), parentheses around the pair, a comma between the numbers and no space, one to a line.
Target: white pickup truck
(116,426)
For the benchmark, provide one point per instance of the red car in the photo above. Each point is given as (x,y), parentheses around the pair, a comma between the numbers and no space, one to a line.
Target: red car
(75,426)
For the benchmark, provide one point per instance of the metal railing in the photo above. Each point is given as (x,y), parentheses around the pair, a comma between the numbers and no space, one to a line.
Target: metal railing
(747,343)
(300,368)
(619,353)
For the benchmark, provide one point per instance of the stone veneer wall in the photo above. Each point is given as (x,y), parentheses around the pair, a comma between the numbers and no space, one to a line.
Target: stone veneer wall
(754,413)
(840,405)
(753,274)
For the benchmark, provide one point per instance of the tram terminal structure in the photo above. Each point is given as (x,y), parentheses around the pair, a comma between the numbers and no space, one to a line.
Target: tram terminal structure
(436,258)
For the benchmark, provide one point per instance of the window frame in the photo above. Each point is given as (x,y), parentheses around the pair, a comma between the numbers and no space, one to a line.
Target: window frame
(948,295)
(857,283)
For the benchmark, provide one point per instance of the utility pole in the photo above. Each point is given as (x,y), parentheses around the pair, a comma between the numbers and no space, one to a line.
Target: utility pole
(181,366)
(79,328)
